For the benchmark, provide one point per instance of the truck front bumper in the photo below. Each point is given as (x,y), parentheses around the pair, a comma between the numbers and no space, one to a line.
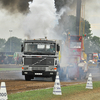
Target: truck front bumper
(39,74)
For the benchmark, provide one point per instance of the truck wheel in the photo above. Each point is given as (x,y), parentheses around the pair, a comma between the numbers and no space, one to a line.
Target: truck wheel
(27,78)
(53,78)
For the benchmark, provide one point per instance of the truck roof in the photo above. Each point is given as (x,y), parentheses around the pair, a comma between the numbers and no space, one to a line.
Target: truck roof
(40,41)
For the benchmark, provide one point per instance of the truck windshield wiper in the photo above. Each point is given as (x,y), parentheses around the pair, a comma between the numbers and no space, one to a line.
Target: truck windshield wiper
(40,53)
(28,53)
(49,53)
(44,52)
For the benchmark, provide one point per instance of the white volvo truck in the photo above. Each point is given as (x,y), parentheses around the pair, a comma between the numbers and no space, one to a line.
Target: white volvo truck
(40,58)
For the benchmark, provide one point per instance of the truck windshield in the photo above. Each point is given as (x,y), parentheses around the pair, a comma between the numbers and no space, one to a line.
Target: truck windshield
(75,44)
(39,48)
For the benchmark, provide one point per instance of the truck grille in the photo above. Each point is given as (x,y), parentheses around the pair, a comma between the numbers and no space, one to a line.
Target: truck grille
(38,68)
(38,61)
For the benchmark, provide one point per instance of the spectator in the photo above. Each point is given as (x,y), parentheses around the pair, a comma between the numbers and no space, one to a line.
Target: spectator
(51,49)
(18,59)
(33,48)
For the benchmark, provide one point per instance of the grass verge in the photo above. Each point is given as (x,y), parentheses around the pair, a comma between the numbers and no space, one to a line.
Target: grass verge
(10,69)
(47,94)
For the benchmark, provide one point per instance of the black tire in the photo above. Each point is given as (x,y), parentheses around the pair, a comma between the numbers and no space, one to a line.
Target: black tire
(53,78)
(27,78)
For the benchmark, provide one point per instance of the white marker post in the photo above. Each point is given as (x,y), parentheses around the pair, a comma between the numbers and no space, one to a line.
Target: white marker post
(57,87)
(89,84)
(3,92)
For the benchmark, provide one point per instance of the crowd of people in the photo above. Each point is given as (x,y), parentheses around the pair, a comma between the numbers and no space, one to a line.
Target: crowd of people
(10,59)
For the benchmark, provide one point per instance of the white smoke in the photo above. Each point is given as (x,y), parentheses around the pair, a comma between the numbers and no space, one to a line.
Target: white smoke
(10,22)
(41,19)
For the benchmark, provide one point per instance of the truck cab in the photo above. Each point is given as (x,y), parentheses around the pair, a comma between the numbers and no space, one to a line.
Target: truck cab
(40,58)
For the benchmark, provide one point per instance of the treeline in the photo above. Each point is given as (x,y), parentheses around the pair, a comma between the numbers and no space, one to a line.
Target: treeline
(92,44)
(13,44)
(68,24)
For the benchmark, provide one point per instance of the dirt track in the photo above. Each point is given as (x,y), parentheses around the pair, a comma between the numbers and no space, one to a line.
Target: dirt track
(15,82)
(14,86)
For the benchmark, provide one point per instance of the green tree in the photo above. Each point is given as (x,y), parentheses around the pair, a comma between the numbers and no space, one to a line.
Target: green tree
(88,44)
(71,26)
(2,44)
(13,44)
(95,44)
(87,28)
(68,24)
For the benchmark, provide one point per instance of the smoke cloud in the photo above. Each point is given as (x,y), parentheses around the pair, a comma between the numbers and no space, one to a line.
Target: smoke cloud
(14,6)
(22,6)
(41,19)
(63,3)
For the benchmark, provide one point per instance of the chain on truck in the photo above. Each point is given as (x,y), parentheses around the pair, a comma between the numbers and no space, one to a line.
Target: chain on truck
(40,58)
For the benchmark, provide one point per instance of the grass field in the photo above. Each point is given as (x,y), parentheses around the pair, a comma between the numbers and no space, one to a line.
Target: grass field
(47,94)
(9,69)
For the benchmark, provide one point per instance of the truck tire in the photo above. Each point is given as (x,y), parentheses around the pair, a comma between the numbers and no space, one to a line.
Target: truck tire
(27,78)
(53,78)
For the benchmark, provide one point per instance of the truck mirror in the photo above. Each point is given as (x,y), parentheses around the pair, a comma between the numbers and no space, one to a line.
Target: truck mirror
(22,48)
(58,47)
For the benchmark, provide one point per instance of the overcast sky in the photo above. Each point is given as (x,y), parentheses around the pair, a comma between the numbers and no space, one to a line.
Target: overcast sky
(92,14)
(12,24)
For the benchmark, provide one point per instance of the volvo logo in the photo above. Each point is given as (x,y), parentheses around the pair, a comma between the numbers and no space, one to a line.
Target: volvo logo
(50,62)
